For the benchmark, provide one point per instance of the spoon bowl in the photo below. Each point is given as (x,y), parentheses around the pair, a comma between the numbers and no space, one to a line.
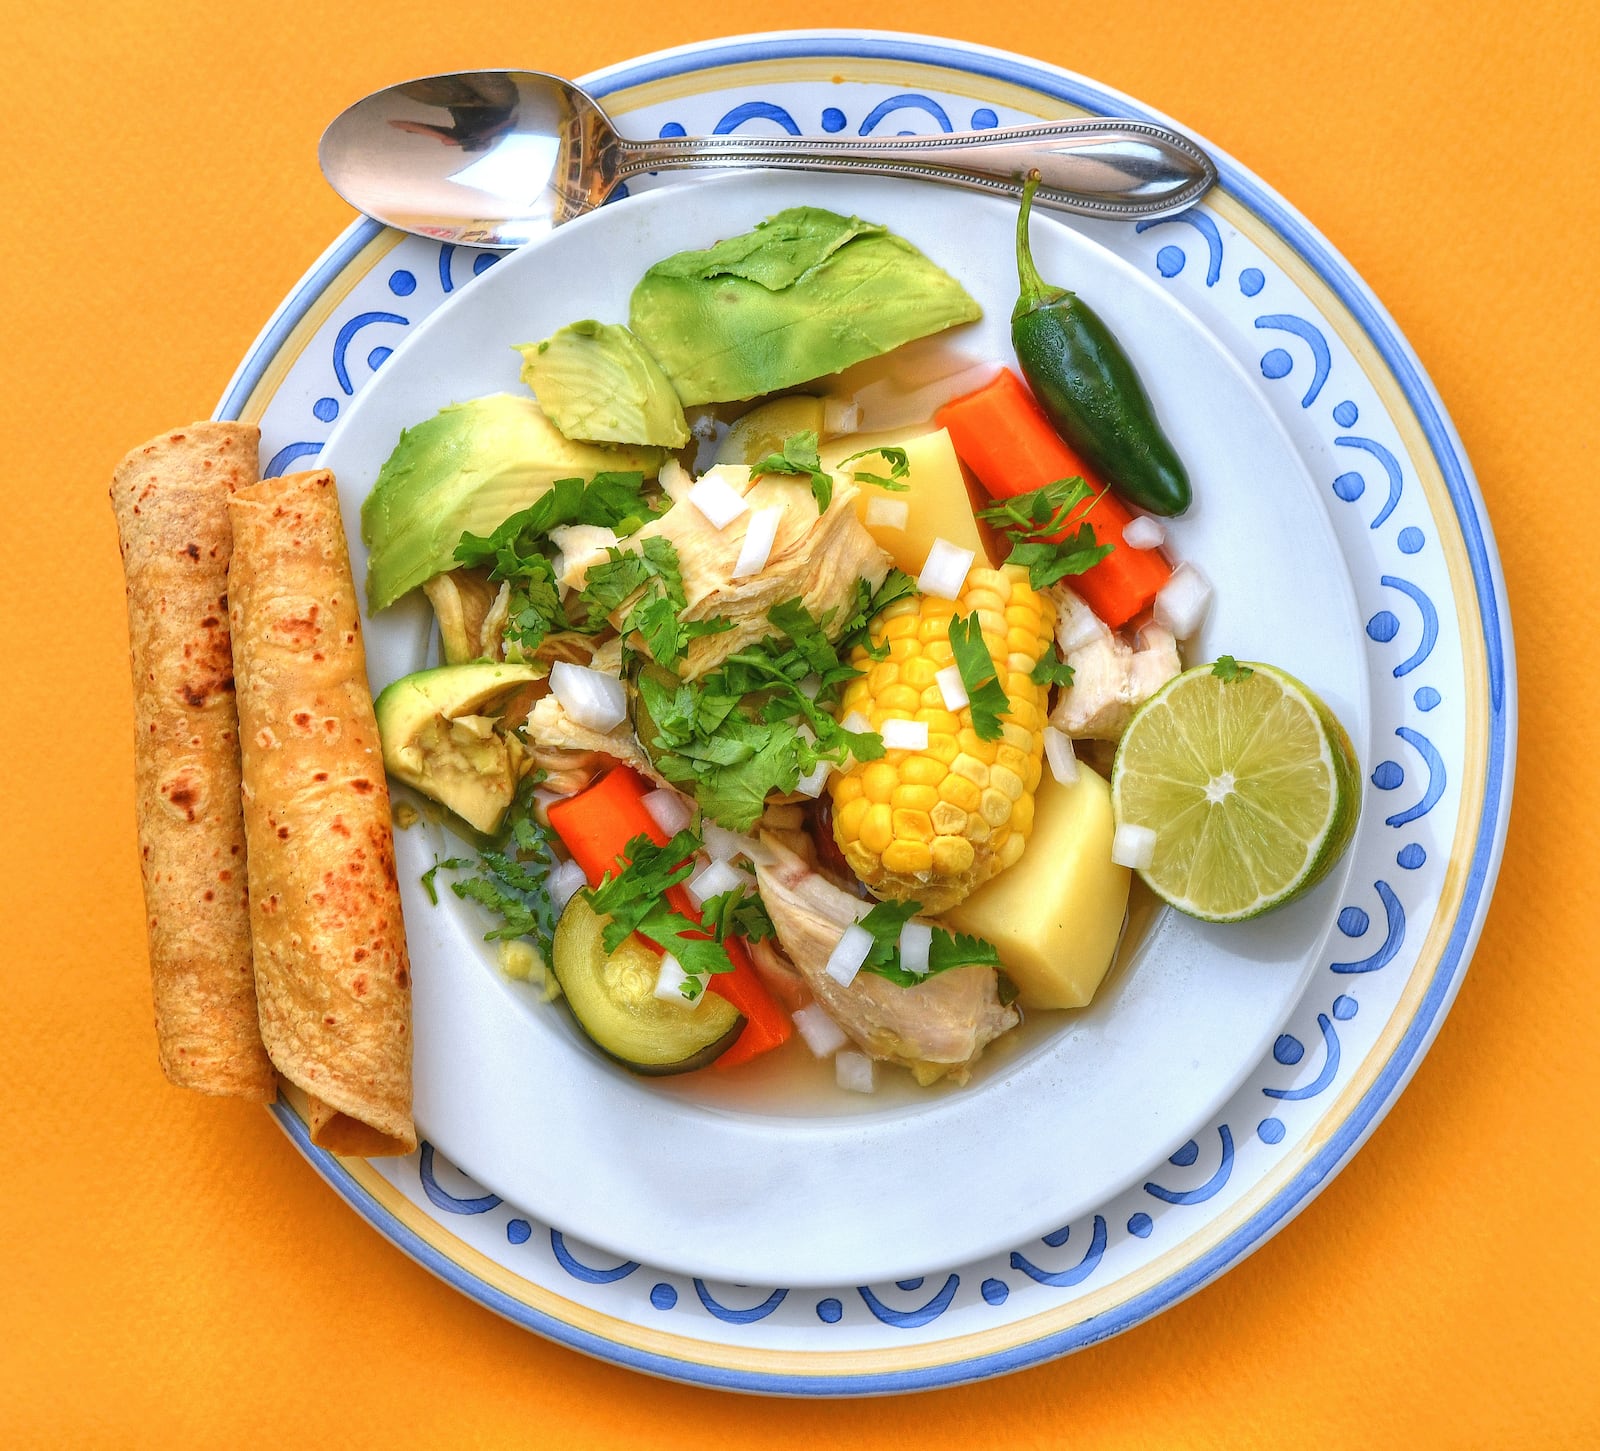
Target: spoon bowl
(499,158)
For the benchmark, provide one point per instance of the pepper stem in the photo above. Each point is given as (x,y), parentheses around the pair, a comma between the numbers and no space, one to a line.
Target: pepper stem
(1035,291)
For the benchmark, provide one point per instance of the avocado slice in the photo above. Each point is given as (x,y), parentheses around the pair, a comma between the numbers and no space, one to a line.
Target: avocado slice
(470,468)
(804,294)
(596,382)
(439,735)
(765,429)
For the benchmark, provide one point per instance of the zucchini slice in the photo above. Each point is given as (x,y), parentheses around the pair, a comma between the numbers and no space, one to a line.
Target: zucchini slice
(613,998)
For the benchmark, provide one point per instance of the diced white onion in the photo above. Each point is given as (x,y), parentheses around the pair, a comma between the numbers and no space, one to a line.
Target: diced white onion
(905,735)
(1133,846)
(712,880)
(1184,601)
(1059,753)
(952,687)
(591,697)
(759,538)
(856,723)
(916,941)
(816,778)
(888,513)
(671,812)
(563,883)
(840,415)
(1144,532)
(718,500)
(1077,625)
(853,1071)
(945,571)
(810,686)
(670,980)
(725,845)
(844,962)
(822,1035)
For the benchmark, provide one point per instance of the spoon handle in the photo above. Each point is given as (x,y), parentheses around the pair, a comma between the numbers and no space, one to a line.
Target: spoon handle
(1120,170)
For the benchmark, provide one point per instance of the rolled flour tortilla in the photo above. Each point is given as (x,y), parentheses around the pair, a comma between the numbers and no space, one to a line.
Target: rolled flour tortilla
(170,497)
(332,976)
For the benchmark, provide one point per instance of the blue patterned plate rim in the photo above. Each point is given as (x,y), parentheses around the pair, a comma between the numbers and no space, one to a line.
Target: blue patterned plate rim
(1445,445)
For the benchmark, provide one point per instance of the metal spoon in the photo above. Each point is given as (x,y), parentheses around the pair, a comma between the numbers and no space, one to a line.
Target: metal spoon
(497,158)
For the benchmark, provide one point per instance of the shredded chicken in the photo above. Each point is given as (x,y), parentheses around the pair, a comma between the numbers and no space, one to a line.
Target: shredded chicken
(816,558)
(471,612)
(936,1028)
(559,744)
(1110,677)
(581,547)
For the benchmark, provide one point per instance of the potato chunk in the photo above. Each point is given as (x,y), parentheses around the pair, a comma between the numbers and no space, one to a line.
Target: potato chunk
(1057,914)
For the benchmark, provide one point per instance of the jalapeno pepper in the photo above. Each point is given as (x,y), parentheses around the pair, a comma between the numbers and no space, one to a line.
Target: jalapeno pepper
(1087,385)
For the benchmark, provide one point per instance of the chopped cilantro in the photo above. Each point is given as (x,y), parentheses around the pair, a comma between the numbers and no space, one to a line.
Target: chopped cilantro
(455,863)
(1229,669)
(947,951)
(986,697)
(1051,670)
(1043,542)
(899,467)
(799,456)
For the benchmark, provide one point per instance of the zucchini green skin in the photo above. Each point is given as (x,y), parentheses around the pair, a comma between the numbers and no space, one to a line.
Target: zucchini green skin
(1087,387)
(643,1034)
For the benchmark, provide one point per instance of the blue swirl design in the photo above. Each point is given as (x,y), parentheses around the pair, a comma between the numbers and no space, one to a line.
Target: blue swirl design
(1202,1192)
(1206,228)
(587,1273)
(1394,934)
(1391,466)
(439,1196)
(1311,335)
(347,334)
(1330,1067)
(755,111)
(1430,623)
(1436,777)
(738,1317)
(1073,1274)
(911,1319)
(286,455)
(908,101)
(447,252)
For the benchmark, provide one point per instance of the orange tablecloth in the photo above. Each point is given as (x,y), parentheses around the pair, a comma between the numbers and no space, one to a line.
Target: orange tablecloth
(172,1273)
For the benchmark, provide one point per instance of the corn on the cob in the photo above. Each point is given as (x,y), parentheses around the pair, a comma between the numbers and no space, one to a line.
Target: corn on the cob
(933,824)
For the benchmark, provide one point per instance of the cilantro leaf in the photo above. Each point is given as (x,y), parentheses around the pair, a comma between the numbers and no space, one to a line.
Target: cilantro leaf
(1051,670)
(869,604)
(899,468)
(644,871)
(738,912)
(946,951)
(986,697)
(799,456)
(455,863)
(1039,523)
(1229,669)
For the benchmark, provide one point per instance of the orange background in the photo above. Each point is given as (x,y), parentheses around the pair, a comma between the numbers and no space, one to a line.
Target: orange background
(172,1272)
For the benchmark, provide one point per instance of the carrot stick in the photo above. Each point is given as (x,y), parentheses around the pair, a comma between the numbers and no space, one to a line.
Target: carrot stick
(1002,435)
(596,826)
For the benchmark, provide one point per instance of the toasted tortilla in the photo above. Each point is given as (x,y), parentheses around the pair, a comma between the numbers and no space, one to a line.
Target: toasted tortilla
(170,497)
(333,980)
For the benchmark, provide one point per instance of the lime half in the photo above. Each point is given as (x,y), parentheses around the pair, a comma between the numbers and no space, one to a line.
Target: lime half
(1249,783)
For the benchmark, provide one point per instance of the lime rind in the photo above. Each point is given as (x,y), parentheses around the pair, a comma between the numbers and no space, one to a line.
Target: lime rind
(1251,785)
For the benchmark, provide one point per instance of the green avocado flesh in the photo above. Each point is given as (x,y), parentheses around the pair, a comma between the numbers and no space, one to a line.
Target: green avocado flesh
(439,736)
(468,469)
(596,382)
(804,294)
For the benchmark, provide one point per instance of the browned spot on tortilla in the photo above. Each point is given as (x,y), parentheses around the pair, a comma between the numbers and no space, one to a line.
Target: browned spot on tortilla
(362,785)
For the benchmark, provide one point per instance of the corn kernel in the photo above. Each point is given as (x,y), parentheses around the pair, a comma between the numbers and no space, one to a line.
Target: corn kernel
(881,677)
(942,747)
(877,827)
(919,770)
(846,787)
(914,798)
(904,649)
(1022,815)
(899,700)
(1012,851)
(1009,783)
(861,861)
(900,626)
(948,818)
(910,825)
(847,819)
(937,718)
(960,792)
(908,858)
(878,782)
(995,809)
(970,767)
(919,673)
(952,855)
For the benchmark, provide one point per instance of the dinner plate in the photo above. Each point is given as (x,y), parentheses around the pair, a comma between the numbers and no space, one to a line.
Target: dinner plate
(1402,598)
